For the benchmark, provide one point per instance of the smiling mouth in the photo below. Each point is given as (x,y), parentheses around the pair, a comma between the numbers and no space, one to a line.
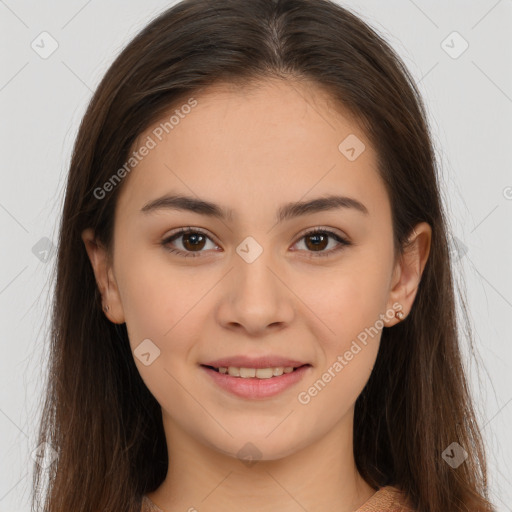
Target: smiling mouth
(257,373)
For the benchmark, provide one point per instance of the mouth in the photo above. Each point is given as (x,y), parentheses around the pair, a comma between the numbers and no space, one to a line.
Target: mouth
(254,373)
(255,383)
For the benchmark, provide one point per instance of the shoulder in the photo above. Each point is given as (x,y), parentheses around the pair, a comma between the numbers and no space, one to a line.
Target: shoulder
(387,499)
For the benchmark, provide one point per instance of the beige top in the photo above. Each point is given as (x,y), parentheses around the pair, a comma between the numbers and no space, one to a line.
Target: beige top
(386,499)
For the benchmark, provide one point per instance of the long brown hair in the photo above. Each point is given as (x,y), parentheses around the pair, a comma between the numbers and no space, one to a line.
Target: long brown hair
(99,417)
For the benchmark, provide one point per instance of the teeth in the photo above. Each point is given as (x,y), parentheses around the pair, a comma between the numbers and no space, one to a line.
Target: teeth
(260,373)
(245,372)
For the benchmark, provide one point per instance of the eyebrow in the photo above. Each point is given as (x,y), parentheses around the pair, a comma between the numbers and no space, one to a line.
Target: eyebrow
(285,212)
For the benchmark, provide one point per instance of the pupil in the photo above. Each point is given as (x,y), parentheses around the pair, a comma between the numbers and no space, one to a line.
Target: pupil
(318,243)
(194,237)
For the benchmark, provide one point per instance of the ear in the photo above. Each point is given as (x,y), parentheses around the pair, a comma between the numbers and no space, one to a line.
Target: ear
(103,272)
(409,269)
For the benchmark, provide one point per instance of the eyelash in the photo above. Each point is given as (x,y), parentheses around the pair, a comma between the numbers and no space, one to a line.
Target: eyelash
(342,241)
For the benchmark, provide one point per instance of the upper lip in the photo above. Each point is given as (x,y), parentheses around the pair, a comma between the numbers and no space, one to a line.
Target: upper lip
(241,361)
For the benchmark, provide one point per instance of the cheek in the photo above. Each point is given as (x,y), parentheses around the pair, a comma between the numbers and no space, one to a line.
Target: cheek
(153,291)
(327,398)
(348,299)
(349,307)
(347,362)
(161,303)
(143,298)
(158,321)
(152,299)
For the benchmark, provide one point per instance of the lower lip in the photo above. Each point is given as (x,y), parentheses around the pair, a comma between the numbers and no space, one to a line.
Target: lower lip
(255,388)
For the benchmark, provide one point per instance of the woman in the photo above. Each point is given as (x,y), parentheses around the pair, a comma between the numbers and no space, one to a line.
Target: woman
(254,303)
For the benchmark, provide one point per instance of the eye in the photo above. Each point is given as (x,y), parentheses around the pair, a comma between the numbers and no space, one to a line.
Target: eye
(194,240)
(317,240)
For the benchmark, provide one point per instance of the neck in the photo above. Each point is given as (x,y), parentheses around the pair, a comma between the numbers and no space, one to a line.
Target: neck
(320,476)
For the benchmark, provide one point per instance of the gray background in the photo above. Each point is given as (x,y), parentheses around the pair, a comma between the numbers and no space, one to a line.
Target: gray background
(469,99)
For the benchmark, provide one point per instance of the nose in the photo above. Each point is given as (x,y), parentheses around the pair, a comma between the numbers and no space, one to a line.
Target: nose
(255,296)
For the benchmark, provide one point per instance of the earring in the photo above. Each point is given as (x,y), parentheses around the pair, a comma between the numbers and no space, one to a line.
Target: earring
(106,308)
(400,315)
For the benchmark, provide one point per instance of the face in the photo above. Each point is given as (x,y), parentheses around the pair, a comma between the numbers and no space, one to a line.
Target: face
(254,279)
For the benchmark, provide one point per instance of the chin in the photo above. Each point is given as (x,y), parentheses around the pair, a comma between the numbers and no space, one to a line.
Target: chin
(251,449)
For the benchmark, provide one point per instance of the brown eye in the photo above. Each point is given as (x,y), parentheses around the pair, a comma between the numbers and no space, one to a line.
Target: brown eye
(193,241)
(317,240)
(192,244)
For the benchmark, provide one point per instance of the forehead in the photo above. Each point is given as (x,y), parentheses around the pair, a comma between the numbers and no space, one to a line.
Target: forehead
(255,147)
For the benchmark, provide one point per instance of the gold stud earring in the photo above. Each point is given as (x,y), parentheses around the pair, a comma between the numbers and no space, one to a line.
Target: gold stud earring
(106,308)
(400,315)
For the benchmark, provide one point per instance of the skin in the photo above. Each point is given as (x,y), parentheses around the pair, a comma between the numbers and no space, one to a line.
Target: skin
(253,151)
